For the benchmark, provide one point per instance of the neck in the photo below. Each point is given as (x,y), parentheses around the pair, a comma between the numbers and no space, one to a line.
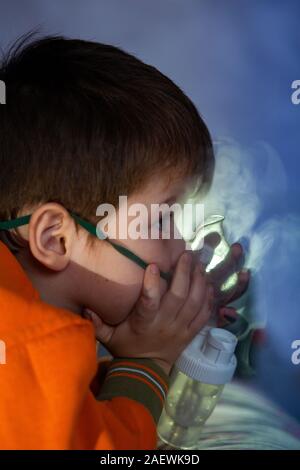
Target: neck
(52,286)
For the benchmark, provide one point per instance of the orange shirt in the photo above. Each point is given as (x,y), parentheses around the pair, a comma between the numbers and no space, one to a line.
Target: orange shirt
(50,362)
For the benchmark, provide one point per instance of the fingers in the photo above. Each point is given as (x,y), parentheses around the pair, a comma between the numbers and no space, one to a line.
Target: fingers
(103,332)
(226,315)
(242,285)
(175,297)
(228,296)
(231,264)
(149,300)
(203,315)
(195,298)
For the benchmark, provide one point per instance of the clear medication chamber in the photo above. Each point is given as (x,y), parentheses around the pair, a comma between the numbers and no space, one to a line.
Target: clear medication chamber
(197,380)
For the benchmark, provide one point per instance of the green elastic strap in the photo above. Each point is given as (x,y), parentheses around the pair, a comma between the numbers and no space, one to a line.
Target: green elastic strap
(8,224)
(14,223)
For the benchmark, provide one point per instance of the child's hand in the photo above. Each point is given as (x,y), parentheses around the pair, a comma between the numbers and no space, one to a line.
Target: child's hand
(161,328)
(233,263)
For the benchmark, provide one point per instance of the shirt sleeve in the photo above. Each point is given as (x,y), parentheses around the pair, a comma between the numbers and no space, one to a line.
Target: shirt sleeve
(125,413)
(139,379)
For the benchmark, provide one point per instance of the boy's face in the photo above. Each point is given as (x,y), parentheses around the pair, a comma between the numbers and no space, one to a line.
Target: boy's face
(107,282)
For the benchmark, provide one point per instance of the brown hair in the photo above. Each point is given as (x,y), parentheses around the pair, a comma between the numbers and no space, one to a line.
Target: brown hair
(85,122)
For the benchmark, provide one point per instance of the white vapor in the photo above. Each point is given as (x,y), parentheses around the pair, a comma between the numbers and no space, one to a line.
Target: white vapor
(247,183)
(244,180)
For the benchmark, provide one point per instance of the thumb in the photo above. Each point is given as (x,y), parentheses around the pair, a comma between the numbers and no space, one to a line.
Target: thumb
(103,332)
(149,301)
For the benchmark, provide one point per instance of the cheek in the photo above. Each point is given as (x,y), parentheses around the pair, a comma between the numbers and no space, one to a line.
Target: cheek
(116,302)
(109,284)
(112,286)
(116,282)
(114,296)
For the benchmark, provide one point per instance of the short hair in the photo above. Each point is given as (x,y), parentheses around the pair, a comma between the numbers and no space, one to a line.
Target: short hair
(85,122)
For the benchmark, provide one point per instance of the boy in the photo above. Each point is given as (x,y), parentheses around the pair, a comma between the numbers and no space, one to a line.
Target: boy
(83,124)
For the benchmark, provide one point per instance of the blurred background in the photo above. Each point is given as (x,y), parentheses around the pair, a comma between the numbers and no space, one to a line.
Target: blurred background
(236,60)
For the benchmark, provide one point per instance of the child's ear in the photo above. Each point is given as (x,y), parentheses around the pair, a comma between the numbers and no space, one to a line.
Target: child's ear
(51,235)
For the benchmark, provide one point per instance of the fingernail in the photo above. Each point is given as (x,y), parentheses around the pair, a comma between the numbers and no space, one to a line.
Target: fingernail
(154,269)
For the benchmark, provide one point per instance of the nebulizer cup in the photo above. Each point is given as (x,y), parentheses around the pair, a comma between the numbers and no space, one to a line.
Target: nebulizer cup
(209,256)
(200,373)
